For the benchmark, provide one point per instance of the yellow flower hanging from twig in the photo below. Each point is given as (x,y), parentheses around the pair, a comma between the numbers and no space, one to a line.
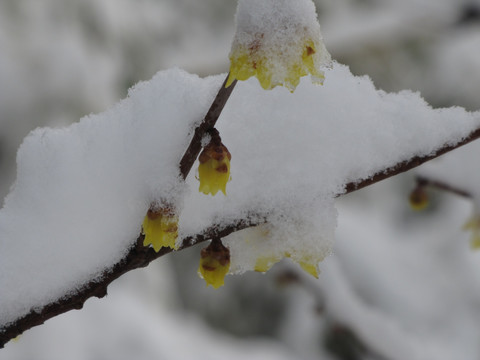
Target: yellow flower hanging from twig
(214,263)
(214,167)
(160,228)
(278,41)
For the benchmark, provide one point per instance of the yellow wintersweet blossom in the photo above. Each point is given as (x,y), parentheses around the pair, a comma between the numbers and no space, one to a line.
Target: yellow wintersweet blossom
(277,41)
(214,167)
(474,226)
(160,228)
(214,263)
(246,62)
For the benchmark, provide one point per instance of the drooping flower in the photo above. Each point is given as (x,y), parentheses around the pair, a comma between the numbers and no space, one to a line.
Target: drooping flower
(474,226)
(418,198)
(278,41)
(214,263)
(160,228)
(214,167)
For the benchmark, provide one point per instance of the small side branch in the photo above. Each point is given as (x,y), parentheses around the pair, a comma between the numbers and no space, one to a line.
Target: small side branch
(208,123)
(423,181)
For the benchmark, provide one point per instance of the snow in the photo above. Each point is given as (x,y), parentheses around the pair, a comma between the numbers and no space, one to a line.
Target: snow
(60,60)
(126,326)
(82,191)
(410,292)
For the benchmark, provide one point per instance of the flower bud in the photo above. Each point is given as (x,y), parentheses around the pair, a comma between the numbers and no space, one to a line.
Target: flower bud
(418,198)
(214,263)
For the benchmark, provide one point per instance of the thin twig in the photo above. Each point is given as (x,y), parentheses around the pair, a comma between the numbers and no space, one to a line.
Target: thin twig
(208,123)
(423,181)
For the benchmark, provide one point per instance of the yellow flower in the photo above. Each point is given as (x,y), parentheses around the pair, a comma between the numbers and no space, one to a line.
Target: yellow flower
(246,62)
(214,167)
(474,226)
(418,198)
(279,43)
(310,268)
(160,228)
(214,263)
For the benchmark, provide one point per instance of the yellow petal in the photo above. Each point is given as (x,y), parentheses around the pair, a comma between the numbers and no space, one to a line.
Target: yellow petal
(213,272)
(307,263)
(255,60)
(263,264)
(161,230)
(310,268)
(213,176)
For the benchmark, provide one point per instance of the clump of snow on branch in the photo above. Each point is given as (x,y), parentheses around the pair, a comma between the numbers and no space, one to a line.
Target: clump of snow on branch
(82,191)
(278,41)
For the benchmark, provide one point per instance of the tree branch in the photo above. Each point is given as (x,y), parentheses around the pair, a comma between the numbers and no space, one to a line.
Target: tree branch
(406,165)
(140,256)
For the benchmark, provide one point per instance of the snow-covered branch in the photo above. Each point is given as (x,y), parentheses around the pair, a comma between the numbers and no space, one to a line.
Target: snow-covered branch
(82,191)
(413,163)
(140,256)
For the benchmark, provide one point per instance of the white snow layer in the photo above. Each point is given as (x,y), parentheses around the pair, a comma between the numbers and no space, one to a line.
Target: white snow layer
(82,191)
(129,325)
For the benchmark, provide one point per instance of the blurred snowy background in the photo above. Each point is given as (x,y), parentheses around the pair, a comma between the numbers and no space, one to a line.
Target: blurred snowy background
(400,284)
